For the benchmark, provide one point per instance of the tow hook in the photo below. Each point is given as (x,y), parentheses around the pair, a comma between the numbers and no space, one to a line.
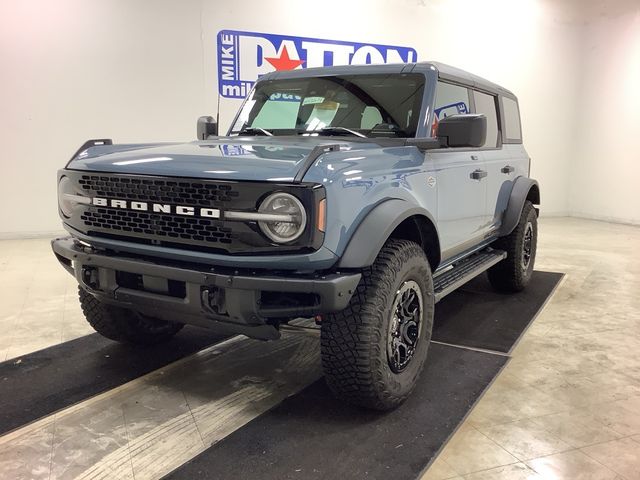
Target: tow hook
(213,300)
(90,277)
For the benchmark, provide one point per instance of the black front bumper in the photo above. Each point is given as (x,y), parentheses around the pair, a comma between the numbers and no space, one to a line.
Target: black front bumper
(248,303)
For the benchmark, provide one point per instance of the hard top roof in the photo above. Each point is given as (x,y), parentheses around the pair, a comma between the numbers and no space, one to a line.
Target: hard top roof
(444,71)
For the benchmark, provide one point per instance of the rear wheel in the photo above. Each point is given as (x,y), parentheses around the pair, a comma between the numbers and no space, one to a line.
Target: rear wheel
(514,272)
(124,325)
(373,351)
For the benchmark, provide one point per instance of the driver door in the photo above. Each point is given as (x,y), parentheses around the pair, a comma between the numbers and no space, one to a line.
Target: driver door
(460,180)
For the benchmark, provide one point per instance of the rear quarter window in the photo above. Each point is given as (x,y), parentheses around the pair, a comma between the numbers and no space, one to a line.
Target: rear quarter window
(512,127)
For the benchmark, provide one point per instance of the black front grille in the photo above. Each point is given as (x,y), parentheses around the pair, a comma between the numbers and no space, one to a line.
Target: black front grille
(164,226)
(167,191)
(183,231)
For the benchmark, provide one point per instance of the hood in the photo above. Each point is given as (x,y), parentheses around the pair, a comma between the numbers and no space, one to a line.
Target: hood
(228,158)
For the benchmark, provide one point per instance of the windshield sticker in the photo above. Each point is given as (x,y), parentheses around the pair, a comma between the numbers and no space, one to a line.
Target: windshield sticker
(312,100)
(244,56)
(284,97)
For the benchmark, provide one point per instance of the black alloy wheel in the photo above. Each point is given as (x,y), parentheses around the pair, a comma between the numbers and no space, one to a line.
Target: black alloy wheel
(405,325)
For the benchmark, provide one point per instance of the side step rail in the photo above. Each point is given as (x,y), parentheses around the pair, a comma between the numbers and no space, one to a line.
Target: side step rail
(465,270)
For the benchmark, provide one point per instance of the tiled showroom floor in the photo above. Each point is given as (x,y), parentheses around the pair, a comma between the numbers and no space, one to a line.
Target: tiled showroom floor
(567,406)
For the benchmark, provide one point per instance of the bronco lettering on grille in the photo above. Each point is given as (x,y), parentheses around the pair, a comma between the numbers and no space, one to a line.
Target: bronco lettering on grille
(157,207)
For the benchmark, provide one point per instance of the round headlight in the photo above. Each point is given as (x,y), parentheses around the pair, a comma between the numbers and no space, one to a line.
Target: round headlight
(289,217)
(65,189)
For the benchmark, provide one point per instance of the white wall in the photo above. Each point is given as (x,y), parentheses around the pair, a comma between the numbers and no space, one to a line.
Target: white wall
(143,70)
(605,179)
(74,70)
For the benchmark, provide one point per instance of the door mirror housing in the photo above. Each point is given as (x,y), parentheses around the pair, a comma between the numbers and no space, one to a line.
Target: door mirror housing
(466,130)
(206,127)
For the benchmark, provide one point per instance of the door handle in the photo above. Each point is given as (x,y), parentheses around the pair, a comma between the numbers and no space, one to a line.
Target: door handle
(474,157)
(507,169)
(478,174)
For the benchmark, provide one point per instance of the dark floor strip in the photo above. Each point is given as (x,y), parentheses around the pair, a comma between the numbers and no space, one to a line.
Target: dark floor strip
(43,382)
(312,435)
(478,317)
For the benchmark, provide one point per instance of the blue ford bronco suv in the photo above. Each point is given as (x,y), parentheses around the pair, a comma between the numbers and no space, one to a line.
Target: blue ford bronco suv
(358,196)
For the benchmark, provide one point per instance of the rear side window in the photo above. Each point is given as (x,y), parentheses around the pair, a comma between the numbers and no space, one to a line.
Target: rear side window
(512,129)
(486,104)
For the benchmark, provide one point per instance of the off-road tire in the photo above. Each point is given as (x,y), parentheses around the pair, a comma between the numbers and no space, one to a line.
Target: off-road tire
(510,275)
(123,325)
(354,341)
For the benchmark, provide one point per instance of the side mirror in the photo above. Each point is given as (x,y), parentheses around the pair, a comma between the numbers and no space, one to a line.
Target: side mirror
(468,130)
(206,127)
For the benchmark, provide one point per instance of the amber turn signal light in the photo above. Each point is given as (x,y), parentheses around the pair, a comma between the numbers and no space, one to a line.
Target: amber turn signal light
(322,215)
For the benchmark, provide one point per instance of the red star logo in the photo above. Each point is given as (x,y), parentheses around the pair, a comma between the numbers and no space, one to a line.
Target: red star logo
(284,62)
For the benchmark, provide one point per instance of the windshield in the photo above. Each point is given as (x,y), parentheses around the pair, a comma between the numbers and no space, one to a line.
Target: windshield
(355,105)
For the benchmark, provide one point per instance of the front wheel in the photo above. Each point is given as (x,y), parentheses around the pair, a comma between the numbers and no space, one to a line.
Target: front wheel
(373,351)
(514,272)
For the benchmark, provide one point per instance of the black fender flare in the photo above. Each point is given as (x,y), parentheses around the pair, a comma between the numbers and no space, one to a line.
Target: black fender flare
(522,189)
(375,229)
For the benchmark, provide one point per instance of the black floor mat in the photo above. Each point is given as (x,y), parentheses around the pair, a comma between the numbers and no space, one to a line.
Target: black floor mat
(45,381)
(312,435)
(476,316)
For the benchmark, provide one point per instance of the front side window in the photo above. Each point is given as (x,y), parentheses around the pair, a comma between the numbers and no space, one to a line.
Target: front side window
(450,100)
(486,104)
(362,105)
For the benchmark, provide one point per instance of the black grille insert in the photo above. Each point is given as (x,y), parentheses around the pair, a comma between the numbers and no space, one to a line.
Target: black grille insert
(166,191)
(160,225)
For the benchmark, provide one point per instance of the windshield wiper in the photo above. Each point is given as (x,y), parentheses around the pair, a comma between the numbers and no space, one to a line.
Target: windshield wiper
(338,130)
(255,131)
